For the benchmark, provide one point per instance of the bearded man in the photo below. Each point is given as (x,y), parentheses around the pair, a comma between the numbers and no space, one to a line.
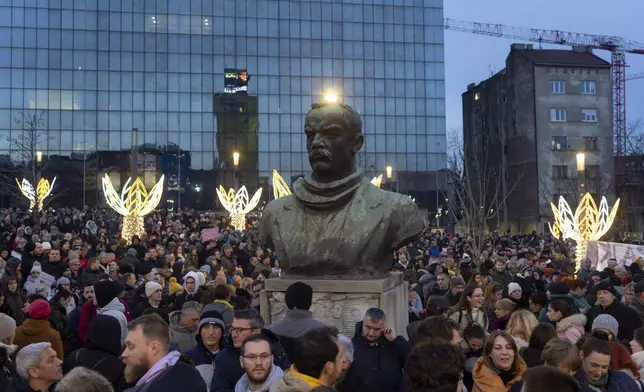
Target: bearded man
(149,364)
(336,224)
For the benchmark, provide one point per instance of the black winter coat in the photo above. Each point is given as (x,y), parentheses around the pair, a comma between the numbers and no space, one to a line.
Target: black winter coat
(102,351)
(377,368)
(20,385)
(228,370)
(627,318)
(7,369)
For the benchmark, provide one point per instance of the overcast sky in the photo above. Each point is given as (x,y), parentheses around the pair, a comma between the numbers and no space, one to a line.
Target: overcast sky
(470,58)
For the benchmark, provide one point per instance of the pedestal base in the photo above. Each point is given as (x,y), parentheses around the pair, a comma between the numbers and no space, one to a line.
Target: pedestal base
(342,303)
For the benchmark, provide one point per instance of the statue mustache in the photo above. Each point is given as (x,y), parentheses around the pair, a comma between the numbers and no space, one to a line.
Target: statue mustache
(320,153)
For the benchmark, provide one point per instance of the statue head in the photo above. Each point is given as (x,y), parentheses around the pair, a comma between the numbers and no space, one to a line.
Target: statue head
(333,137)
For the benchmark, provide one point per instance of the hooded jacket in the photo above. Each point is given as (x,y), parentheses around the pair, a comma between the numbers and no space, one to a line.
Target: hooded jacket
(186,296)
(116,309)
(36,331)
(275,374)
(102,352)
(572,327)
(181,337)
(487,380)
(228,370)
(377,368)
(203,359)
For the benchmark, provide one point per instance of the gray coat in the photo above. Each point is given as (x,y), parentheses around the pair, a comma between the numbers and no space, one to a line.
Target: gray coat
(295,323)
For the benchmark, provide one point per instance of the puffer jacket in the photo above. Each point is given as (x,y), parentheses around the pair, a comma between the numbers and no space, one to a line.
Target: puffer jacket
(572,328)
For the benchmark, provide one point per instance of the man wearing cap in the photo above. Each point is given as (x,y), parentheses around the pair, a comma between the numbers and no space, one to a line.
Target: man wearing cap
(608,304)
(210,339)
(36,328)
(638,300)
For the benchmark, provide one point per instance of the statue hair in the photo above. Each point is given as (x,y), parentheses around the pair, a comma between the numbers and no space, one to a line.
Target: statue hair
(351,116)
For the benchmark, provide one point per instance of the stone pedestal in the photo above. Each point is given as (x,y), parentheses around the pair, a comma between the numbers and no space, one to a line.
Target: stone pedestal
(342,303)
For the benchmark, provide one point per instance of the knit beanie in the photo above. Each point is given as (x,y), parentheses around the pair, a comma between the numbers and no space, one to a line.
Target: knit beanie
(36,267)
(63,280)
(211,317)
(505,304)
(105,291)
(606,285)
(299,295)
(46,246)
(456,281)
(151,287)
(606,322)
(513,286)
(174,287)
(7,327)
(39,310)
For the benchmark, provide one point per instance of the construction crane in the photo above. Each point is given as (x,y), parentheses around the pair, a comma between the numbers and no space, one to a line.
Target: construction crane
(635,76)
(618,47)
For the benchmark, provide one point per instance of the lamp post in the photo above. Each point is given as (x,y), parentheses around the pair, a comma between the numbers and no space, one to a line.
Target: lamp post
(389,172)
(235,165)
(85,173)
(581,173)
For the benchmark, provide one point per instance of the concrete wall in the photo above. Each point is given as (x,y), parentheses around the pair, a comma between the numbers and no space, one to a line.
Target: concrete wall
(574,129)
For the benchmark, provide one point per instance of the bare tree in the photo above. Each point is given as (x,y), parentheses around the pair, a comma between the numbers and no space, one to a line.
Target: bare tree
(26,148)
(635,137)
(476,179)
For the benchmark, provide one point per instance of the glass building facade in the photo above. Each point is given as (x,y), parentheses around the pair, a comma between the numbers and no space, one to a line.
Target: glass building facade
(89,71)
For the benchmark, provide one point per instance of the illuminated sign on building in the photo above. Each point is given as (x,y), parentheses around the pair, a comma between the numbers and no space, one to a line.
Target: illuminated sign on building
(235,80)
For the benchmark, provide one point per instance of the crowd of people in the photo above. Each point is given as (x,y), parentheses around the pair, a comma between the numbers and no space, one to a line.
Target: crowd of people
(83,309)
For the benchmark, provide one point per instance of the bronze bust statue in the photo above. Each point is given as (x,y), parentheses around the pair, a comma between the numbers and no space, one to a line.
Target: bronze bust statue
(336,224)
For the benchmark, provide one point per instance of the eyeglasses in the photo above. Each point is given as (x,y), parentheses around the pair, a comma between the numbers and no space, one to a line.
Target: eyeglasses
(261,357)
(239,330)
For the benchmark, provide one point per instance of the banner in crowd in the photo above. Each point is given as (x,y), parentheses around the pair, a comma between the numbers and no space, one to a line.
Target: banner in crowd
(209,234)
(599,252)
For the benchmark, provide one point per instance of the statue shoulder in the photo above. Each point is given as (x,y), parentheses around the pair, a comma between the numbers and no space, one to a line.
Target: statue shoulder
(397,201)
(280,205)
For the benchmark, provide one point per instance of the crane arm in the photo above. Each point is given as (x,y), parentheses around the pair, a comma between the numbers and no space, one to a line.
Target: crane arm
(556,37)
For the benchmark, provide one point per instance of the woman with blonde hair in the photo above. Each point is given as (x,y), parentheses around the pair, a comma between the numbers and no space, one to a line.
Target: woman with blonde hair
(500,365)
(520,326)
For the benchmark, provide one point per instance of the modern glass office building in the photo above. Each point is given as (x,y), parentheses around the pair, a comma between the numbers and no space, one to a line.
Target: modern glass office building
(89,71)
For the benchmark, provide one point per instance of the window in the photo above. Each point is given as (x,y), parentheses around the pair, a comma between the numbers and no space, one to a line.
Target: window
(559,172)
(588,87)
(558,115)
(589,115)
(559,143)
(557,87)
(590,143)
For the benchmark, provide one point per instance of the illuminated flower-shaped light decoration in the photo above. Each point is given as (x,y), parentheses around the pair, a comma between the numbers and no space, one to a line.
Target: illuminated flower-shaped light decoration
(377,181)
(238,204)
(588,223)
(37,196)
(280,187)
(133,203)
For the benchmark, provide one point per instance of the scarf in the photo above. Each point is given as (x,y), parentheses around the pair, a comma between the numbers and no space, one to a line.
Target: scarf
(599,384)
(168,361)
(310,381)
(327,196)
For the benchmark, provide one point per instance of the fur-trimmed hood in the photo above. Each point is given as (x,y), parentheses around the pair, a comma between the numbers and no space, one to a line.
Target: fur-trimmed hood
(576,320)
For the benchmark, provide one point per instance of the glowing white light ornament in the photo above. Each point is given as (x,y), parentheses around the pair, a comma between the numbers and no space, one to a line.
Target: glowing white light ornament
(133,203)
(280,187)
(37,196)
(588,223)
(377,181)
(238,204)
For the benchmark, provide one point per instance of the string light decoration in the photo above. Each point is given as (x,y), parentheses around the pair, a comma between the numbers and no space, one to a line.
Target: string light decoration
(280,187)
(37,196)
(133,203)
(377,181)
(588,223)
(238,204)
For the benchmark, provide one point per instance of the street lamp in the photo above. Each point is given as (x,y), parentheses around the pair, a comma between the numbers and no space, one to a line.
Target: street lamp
(581,172)
(388,170)
(330,97)
(235,166)
(38,156)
